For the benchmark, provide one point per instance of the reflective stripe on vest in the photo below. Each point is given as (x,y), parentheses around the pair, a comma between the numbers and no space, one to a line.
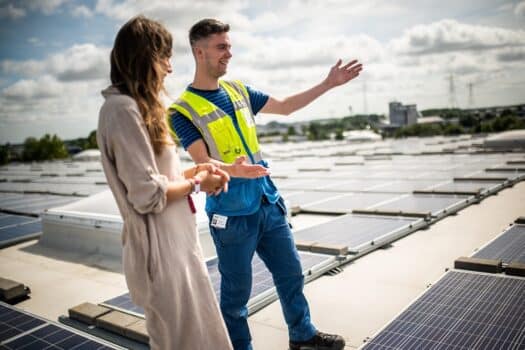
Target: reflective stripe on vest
(217,128)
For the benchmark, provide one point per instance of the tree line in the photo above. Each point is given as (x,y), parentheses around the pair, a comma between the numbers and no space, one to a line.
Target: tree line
(46,148)
(468,123)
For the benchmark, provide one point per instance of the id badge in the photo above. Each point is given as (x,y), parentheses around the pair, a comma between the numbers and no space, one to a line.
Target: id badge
(218,221)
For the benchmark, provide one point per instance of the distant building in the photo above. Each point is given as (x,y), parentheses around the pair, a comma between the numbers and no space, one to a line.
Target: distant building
(403,115)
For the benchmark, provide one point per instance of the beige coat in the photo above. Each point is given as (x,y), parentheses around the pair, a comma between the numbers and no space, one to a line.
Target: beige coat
(162,259)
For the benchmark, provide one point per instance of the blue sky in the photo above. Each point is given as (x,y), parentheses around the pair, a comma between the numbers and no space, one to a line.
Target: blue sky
(54,54)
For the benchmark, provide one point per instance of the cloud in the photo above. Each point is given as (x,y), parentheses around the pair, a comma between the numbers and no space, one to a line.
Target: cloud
(77,63)
(28,90)
(47,7)
(512,55)
(519,10)
(182,12)
(82,11)
(62,91)
(80,62)
(450,36)
(11,12)
(35,41)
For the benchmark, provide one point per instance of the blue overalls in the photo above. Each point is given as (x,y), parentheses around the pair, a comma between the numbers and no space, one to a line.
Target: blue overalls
(264,230)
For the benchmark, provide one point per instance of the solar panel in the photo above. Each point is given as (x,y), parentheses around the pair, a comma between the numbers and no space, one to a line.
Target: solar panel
(438,205)
(9,220)
(18,233)
(469,186)
(308,184)
(32,204)
(358,231)
(463,310)
(508,247)
(514,176)
(13,322)
(123,302)
(20,330)
(408,185)
(262,282)
(307,197)
(357,185)
(348,202)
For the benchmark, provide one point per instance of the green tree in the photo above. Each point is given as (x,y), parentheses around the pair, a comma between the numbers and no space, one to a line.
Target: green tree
(339,135)
(92,140)
(4,154)
(291,130)
(316,132)
(452,129)
(47,148)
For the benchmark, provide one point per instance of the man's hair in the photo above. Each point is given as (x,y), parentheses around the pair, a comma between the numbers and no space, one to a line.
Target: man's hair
(206,27)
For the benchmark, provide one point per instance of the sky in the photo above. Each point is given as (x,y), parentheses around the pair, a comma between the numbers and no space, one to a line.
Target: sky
(54,55)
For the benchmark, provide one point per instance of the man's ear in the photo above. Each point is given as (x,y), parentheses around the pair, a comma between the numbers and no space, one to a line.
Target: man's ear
(197,51)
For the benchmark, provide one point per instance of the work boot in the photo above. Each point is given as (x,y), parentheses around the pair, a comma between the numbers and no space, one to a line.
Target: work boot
(320,341)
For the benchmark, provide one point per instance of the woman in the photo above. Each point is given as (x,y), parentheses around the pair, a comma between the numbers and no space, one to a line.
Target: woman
(162,259)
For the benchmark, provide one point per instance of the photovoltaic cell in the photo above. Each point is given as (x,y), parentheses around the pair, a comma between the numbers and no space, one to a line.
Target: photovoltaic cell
(124,302)
(53,337)
(463,186)
(9,220)
(408,185)
(354,231)
(435,204)
(348,202)
(357,185)
(13,322)
(20,330)
(304,198)
(18,233)
(261,280)
(462,310)
(33,203)
(508,247)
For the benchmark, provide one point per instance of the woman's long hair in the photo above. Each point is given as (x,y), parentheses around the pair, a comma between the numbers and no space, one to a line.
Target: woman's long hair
(136,70)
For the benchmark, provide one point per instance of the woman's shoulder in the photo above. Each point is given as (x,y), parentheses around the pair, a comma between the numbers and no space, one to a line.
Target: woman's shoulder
(117,104)
(115,99)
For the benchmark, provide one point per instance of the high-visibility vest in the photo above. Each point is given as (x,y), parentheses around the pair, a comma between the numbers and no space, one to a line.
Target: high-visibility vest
(225,142)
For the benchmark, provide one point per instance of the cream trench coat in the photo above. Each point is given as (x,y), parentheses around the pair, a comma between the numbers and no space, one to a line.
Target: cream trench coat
(162,259)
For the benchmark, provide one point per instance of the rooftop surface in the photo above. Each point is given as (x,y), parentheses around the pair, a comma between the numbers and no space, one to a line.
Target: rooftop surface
(368,292)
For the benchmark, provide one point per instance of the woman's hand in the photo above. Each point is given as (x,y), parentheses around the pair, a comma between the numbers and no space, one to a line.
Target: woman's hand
(213,180)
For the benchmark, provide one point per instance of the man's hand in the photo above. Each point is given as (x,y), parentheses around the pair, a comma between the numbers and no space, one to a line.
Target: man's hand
(213,180)
(240,168)
(340,75)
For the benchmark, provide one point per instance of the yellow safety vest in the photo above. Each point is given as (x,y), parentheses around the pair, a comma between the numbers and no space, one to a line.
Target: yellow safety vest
(216,127)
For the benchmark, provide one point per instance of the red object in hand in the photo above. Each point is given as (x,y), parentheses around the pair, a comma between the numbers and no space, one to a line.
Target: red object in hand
(192,205)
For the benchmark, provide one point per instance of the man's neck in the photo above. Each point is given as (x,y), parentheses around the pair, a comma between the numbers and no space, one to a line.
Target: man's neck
(204,82)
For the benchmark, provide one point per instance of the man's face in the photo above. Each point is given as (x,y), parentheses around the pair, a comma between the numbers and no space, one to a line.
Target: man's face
(214,53)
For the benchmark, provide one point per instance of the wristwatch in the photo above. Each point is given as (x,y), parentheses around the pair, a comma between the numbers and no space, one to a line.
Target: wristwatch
(197,187)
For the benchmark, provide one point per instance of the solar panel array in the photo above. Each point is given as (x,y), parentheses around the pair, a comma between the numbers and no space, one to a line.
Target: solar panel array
(358,232)
(463,310)
(32,204)
(417,203)
(262,282)
(16,228)
(20,330)
(508,247)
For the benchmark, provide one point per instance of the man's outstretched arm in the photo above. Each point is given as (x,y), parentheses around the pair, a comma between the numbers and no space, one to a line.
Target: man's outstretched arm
(338,75)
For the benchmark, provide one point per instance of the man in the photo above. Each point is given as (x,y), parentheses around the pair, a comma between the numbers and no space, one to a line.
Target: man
(214,120)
